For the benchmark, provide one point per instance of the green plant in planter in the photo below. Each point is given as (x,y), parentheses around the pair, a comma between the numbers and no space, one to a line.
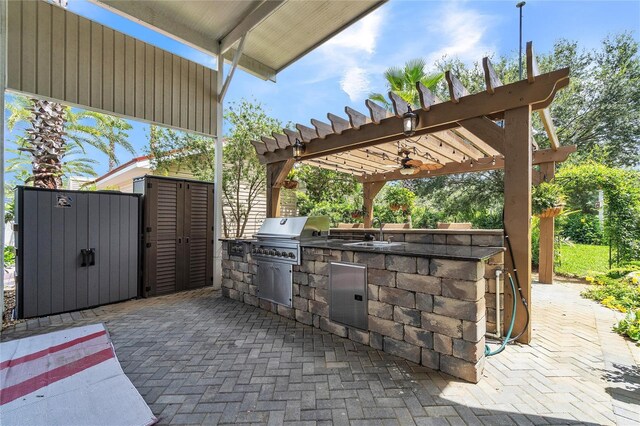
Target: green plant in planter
(545,196)
(400,198)
(291,182)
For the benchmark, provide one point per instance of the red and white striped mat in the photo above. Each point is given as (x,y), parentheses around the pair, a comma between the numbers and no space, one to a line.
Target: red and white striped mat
(69,377)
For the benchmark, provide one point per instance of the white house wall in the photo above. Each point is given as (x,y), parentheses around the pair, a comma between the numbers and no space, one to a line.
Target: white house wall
(58,55)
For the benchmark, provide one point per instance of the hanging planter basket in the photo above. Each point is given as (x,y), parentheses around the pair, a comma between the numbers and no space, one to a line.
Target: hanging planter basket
(290,184)
(550,212)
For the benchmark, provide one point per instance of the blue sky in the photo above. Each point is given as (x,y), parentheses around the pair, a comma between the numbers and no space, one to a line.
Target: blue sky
(348,67)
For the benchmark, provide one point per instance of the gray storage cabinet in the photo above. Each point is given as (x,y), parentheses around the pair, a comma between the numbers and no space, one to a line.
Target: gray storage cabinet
(75,249)
(178,234)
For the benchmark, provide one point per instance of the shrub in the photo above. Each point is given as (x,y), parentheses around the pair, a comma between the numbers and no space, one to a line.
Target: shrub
(630,326)
(615,289)
(621,188)
(9,256)
(581,228)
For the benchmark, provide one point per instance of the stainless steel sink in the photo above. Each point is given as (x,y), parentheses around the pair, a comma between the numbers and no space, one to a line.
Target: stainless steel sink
(373,244)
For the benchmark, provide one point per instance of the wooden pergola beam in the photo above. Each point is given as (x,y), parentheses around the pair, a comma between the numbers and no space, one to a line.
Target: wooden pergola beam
(281,140)
(491,78)
(456,88)
(485,164)
(322,129)
(356,118)
(338,124)
(441,116)
(545,115)
(486,130)
(276,174)
(377,112)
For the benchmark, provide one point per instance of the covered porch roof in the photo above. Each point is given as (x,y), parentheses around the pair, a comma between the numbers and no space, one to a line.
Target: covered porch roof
(278,32)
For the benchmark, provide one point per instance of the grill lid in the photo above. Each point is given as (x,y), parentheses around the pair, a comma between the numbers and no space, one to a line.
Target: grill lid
(294,227)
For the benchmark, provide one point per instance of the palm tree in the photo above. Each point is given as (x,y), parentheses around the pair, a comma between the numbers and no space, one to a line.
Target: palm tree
(115,131)
(53,132)
(402,81)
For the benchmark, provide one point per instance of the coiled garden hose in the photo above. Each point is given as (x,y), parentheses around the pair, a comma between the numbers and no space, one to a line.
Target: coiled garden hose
(507,338)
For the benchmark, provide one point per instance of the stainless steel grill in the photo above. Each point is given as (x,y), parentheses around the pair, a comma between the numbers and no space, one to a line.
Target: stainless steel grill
(279,239)
(277,249)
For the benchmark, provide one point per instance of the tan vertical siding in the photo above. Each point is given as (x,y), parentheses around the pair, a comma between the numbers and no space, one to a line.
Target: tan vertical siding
(59,55)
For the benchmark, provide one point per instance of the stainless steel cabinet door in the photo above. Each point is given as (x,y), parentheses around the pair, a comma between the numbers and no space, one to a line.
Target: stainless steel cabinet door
(348,294)
(282,283)
(265,280)
(275,282)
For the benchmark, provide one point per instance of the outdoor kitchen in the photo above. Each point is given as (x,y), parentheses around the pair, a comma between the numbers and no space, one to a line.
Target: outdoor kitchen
(424,295)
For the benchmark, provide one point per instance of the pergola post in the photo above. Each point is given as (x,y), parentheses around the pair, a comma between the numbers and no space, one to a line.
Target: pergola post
(370,190)
(517,212)
(547,231)
(276,174)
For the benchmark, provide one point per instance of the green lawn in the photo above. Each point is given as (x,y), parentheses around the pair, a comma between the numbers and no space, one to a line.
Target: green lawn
(581,260)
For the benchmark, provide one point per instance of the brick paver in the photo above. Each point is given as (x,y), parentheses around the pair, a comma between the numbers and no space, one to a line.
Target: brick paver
(198,358)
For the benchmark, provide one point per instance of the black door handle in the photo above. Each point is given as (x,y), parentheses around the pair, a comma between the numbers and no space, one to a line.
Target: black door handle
(187,240)
(92,257)
(84,253)
(358,297)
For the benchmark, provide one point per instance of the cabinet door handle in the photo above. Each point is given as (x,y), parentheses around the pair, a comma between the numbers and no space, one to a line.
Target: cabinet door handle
(187,240)
(179,240)
(84,253)
(92,257)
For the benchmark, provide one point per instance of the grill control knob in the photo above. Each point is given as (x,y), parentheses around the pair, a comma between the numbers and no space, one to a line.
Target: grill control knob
(261,250)
(276,253)
(291,255)
(272,252)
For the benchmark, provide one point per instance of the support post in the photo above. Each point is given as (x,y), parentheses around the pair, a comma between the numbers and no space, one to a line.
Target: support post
(3,76)
(370,190)
(217,178)
(276,174)
(517,213)
(547,227)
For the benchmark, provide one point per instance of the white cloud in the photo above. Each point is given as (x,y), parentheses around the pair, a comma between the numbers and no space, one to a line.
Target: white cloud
(362,36)
(355,82)
(463,32)
(348,56)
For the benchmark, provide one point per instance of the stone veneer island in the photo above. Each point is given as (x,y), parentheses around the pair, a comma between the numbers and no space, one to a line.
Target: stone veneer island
(426,301)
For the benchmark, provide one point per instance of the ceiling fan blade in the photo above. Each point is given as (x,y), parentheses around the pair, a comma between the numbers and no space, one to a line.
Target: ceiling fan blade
(414,163)
(431,166)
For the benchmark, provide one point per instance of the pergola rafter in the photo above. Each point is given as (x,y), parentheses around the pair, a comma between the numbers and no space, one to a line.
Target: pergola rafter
(462,134)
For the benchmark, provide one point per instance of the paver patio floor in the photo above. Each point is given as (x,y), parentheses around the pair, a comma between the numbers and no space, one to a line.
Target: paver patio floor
(198,358)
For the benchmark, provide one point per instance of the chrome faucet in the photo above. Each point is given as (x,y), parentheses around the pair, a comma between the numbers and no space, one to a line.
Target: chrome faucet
(380,237)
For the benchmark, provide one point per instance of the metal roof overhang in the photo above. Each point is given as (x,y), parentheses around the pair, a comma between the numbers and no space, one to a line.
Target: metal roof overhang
(278,32)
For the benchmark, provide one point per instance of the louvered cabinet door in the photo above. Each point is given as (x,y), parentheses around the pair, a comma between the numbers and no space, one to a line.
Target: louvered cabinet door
(163,236)
(198,222)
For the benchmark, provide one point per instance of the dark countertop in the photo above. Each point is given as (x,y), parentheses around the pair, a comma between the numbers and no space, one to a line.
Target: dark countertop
(438,251)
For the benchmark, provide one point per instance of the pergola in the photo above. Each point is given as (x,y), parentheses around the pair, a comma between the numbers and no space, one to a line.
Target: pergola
(468,133)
